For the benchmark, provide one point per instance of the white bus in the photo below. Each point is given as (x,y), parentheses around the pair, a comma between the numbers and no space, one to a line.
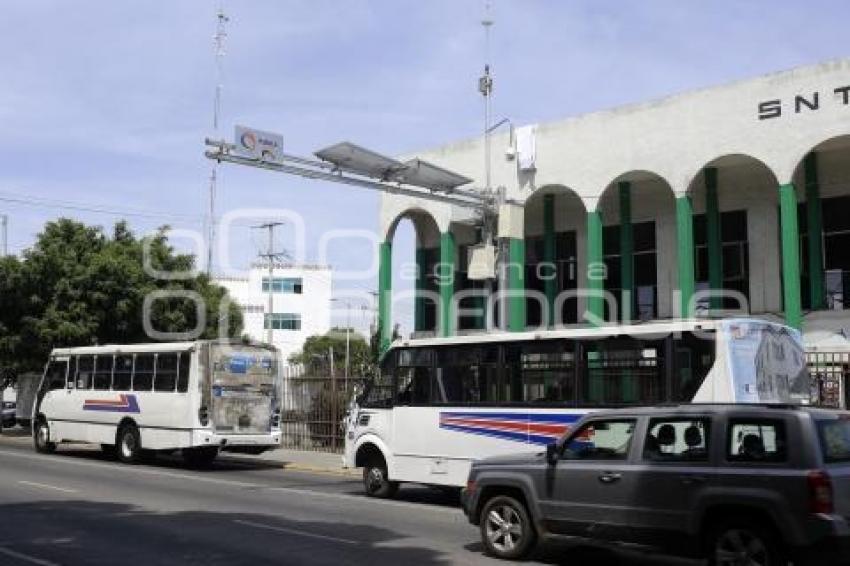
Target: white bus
(199,397)
(441,403)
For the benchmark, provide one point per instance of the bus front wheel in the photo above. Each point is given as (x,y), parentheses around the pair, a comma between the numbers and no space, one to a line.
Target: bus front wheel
(129,444)
(41,437)
(376,480)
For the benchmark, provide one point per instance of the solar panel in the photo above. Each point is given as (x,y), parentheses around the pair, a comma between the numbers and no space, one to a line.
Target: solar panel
(423,174)
(361,161)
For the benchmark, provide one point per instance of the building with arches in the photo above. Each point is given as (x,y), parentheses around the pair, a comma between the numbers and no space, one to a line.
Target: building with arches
(743,188)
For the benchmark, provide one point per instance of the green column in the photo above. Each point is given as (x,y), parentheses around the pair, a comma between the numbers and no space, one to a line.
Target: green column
(790,255)
(685,252)
(516,284)
(595,264)
(385,290)
(550,283)
(446,282)
(419,300)
(712,227)
(814,226)
(627,249)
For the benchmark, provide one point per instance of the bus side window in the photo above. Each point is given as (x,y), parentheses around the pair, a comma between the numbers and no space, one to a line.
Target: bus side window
(102,375)
(85,368)
(166,372)
(414,376)
(123,378)
(183,372)
(143,372)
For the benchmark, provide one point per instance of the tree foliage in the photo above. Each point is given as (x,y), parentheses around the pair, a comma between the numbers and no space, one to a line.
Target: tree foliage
(316,354)
(79,286)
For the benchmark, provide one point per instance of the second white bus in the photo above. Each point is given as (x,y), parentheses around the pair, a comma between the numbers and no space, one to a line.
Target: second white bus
(441,403)
(199,397)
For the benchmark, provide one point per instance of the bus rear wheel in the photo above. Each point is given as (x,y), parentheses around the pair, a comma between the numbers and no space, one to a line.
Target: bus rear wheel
(129,444)
(201,457)
(41,437)
(376,480)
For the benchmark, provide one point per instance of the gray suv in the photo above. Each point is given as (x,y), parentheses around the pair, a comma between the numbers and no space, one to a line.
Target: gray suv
(738,484)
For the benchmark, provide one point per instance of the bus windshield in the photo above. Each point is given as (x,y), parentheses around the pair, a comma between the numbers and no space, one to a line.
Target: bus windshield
(244,387)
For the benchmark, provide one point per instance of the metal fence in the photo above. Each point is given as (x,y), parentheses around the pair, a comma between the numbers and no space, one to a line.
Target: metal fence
(314,407)
(829,372)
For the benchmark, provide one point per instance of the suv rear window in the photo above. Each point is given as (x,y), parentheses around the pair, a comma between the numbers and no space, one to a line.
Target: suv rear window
(835,439)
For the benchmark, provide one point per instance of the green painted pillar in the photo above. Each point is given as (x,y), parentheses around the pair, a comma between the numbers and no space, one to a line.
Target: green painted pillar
(595,264)
(715,245)
(446,281)
(790,255)
(685,252)
(516,284)
(627,248)
(385,291)
(814,226)
(419,300)
(550,287)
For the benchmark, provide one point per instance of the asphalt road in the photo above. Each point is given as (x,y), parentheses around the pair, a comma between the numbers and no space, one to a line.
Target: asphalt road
(79,507)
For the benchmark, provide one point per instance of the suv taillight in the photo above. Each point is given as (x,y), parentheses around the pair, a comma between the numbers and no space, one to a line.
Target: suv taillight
(820,492)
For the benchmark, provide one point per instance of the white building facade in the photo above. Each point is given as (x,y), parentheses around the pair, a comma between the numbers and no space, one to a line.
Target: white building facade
(301,297)
(743,188)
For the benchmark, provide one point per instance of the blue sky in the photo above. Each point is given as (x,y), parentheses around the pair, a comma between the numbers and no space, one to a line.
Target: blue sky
(105,104)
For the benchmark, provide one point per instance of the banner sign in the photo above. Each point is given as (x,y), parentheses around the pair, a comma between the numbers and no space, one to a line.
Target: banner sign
(257,144)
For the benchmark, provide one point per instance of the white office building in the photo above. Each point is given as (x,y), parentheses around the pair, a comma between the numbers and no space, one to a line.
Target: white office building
(301,296)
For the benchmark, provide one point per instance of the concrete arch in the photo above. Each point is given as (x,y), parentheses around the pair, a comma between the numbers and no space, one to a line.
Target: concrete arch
(832,145)
(642,180)
(426,226)
(696,177)
(566,199)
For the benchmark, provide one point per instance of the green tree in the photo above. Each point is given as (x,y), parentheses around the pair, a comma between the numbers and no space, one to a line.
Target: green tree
(78,286)
(315,354)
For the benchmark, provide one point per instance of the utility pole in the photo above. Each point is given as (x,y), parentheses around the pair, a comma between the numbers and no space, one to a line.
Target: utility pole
(271,256)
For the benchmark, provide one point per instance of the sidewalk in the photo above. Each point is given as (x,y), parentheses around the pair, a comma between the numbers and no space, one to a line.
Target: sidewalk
(302,460)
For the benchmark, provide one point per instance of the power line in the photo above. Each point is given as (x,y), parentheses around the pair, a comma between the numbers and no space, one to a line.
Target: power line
(41,202)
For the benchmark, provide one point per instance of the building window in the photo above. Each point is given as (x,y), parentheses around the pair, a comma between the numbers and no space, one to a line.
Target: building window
(836,252)
(734,256)
(284,285)
(283,321)
(564,272)
(252,309)
(644,269)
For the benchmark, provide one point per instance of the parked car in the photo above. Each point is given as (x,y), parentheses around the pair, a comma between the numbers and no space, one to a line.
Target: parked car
(9,409)
(738,484)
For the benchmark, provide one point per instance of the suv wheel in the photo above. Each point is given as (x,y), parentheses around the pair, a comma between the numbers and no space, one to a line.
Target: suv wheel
(376,480)
(735,543)
(506,528)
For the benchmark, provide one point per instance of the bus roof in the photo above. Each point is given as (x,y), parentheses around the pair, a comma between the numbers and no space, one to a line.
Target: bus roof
(576,333)
(150,347)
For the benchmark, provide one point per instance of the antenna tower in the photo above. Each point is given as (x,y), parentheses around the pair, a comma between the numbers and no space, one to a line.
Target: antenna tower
(218,42)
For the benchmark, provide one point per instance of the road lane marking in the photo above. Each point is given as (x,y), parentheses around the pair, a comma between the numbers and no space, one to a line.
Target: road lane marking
(26,557)
(362,499)
(46,486)
(294,532)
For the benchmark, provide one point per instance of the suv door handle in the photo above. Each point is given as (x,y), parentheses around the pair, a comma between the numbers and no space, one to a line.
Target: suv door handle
(609,477)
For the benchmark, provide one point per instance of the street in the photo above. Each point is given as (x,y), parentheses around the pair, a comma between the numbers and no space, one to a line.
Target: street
(78,507)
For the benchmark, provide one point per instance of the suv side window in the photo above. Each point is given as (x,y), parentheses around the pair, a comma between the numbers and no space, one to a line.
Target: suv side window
(677,440)
(756,440)
(601,440)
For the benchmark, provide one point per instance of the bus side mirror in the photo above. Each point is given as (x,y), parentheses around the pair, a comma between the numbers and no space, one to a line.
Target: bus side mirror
(552,454)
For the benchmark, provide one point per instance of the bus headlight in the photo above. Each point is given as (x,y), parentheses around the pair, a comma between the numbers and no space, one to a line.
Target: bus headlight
(204,416)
